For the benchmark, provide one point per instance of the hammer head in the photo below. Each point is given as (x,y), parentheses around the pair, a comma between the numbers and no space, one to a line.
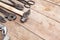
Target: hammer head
(25,16)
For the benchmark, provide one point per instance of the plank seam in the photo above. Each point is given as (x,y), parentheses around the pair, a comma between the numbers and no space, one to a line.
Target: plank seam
(30,31)
(45,15)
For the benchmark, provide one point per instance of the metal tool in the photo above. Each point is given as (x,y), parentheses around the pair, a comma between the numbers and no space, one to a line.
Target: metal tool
(27,3)
(9,16)
(25,16)
(4,32)
(21,13)
(15,5)
(2,20)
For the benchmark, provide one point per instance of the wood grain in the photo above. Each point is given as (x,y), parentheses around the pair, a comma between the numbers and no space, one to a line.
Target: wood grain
(1,35)
(17,32)
(47,9)
(54,1)
(46,28)
(43,23)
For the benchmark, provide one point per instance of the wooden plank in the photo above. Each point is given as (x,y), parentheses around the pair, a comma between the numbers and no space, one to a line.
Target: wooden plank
(49,32)
(17,32)
(54,1)
(41,25)
(21,26)
(0,35)
(47,9)
(47,28)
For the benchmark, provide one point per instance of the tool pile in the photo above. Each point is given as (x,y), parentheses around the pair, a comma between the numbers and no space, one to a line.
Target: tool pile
(10,10)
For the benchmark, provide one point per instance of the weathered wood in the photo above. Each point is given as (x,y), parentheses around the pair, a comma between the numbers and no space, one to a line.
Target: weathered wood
(1,35)
(17,32)
(47,9)
(54,1)
(43,21)
(46,28)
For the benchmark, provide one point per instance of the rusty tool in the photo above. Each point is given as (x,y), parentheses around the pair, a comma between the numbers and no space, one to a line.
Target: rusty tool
(16,11)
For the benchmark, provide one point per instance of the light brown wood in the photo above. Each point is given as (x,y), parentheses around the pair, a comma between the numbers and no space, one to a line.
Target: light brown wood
(1,36)
(47,9)
(44,27)
(43,23)
(54,1)
(17,32)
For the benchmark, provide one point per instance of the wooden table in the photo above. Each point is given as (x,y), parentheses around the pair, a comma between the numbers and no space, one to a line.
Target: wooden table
(43,23)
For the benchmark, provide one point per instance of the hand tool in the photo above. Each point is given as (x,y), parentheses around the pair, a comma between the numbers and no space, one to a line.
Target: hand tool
(27,3)
(25,16)
(21,13)
(15,5)
(2,20)
(10,8)
(4,32)
(8,15)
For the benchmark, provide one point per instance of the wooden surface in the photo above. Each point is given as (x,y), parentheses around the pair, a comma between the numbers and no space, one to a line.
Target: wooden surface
(1,35)
(43,23)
